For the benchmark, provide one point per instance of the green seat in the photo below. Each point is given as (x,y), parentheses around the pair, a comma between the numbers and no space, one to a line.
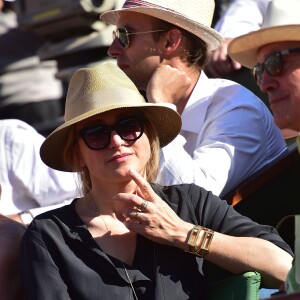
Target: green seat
(236,287)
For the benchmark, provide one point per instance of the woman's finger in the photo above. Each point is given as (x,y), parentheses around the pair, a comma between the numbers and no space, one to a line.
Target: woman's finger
(144,188)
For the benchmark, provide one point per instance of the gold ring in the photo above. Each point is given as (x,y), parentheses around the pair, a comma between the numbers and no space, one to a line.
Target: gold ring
(144,205)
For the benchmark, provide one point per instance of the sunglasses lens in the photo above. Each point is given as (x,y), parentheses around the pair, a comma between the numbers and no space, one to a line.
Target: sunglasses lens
(130,130)
(121,34)
(257,72)
(273,64)
(96,138)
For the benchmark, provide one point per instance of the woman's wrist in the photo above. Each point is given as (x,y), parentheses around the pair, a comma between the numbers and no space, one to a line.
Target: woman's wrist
(199,240)
(182,235)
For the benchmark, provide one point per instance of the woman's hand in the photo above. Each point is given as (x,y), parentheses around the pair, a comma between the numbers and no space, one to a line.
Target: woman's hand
(150,216)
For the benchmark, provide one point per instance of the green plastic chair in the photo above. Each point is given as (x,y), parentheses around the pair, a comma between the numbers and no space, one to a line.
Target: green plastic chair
(236,287)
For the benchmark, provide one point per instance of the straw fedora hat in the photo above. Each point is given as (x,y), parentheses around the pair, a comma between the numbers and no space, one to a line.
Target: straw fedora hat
(99,89)
(194,16)
(281,24)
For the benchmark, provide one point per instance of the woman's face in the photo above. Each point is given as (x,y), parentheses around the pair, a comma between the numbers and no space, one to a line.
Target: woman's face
(111,164)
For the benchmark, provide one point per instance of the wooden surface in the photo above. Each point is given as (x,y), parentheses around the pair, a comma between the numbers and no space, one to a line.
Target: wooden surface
(271,196)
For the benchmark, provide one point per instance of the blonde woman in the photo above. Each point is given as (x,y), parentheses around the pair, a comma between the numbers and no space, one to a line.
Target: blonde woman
(126,238)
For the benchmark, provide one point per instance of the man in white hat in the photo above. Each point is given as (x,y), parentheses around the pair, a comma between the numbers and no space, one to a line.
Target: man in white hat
(228,133)
(240,17)
(273,52)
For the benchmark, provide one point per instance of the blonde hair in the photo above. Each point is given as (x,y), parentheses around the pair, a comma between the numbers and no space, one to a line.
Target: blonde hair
(72,157)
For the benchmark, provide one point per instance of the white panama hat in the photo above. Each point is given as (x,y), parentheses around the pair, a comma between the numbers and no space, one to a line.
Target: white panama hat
(93,91)
(281,24)
(194,16)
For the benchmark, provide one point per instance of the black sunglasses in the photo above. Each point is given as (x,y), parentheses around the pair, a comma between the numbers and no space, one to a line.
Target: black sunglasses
(273,64)
(97,137)
(122,35)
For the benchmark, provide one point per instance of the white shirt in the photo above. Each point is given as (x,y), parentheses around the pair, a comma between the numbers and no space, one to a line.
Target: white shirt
(241,17)
(227,135)
(26,181)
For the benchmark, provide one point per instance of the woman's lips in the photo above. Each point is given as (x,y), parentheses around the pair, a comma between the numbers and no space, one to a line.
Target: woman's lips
(119,157)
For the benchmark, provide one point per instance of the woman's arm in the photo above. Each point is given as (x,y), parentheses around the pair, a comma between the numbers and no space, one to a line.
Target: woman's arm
(158,222)
(242,254)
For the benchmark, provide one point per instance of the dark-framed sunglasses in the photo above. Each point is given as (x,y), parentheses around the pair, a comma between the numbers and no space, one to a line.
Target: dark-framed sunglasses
(273,64)
(98,136)
(122,35)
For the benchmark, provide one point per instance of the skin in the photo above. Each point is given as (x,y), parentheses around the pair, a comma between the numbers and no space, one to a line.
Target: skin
(119,187)
(148,62)
(220,63)
(283,90)
(15,217)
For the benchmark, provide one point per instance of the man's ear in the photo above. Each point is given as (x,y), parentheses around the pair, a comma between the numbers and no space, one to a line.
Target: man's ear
(173,39)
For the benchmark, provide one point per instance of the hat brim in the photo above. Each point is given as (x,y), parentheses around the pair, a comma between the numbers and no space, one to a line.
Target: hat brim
(210,36)
(166,121)
(243,49)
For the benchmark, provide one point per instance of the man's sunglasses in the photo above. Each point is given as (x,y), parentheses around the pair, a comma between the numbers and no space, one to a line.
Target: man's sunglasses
(97,137)
(122,35)
(273,64)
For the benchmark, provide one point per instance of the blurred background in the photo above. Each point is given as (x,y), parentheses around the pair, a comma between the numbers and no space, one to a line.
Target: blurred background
(42,43)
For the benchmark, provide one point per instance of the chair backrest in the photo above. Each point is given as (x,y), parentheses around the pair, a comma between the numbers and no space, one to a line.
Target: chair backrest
(265,176)
(237,287)
(271,195)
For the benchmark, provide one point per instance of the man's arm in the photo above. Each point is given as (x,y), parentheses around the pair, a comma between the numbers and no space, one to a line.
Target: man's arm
(27,175)
(242,16)
(11,234)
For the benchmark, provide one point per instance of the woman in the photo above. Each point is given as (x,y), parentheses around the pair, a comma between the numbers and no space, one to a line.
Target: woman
(125,238)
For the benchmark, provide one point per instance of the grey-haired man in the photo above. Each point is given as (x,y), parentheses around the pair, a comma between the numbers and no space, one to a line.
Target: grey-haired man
(273,53)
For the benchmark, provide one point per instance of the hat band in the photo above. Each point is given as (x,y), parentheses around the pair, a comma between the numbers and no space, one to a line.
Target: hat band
(129,4)
(110,98)
(138,3)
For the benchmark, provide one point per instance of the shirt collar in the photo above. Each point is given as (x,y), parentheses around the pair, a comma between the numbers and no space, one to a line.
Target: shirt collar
(194,113)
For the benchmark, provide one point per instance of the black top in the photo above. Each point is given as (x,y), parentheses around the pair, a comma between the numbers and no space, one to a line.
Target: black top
(61,260)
